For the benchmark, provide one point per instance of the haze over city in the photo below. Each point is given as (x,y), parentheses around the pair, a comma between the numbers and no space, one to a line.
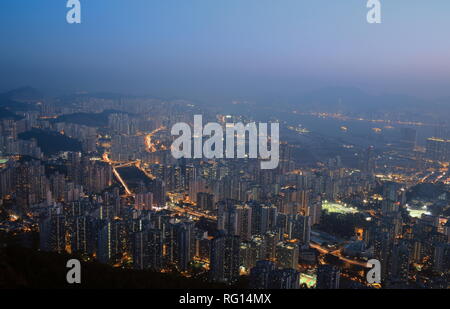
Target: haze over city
(217,51)
(197,147)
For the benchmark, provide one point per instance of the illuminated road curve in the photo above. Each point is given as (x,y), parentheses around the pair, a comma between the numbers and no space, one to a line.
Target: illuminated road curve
(193,213)
(116,173)
(337,254)
(150,146)
(116,165)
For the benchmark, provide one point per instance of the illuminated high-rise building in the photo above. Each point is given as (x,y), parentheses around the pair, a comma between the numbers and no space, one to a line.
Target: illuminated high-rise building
(260,274)
(264,217)
(328,277)
(109,241)
(438,149)
(52,232)
(399,263)
(180,244)
(143,201)
(286,279)
(224,266)
(287,254)
(205,201)
(300,228)
(80,234)
(148,249)
(368,164)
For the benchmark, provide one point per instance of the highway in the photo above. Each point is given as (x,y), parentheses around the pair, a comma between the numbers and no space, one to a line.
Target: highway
(192,212)
(116,173)
(150,146)
(337,253)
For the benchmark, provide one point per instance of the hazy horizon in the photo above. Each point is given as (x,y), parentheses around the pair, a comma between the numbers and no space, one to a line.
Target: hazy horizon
(217,50)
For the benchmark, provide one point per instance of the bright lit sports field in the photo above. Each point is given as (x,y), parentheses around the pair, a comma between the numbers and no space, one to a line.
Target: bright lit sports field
(333,207)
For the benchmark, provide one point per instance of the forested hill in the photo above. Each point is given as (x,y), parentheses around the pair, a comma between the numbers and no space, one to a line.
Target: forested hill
(28,268)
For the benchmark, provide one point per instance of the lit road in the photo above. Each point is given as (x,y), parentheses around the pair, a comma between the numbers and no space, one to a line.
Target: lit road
(116,173)
(424,179)
(115,165)
(192,212)
(338,254)
(198,214)
(150,146)
(139,166)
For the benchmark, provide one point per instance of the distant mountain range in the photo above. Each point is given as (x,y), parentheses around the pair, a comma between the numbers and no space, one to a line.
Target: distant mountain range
(17,100)
(25,94)
(344,100)
(7,114)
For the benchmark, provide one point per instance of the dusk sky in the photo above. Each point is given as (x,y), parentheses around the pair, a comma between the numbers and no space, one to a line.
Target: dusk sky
(226,49)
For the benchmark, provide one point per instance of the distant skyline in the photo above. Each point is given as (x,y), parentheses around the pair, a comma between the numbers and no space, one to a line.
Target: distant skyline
(220,50)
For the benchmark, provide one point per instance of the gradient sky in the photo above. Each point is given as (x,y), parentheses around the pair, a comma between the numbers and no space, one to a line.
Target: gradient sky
(225,49)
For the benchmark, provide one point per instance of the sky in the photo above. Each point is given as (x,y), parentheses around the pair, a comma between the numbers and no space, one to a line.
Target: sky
(219,50)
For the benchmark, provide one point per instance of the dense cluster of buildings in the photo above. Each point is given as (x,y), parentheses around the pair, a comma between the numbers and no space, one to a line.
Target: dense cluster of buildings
(123,200)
